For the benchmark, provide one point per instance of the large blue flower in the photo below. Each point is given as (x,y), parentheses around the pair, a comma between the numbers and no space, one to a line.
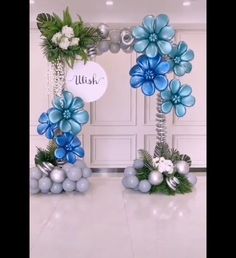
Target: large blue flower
(180,57)
(178,97)
(68,112)
(68,148)
(45,126)
(149,73)
(154,36)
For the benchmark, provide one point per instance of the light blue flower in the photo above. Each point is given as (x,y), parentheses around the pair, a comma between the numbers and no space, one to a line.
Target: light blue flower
(68,148)
(45,126)
(154,36)
(68,112)
(178,97)
(180,57)
(149,73)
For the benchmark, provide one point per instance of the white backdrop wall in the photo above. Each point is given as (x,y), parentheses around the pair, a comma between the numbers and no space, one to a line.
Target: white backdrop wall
(123,120)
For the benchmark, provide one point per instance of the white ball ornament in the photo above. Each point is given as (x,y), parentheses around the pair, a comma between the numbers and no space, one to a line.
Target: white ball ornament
(182,167)
(155,178)
(58,175)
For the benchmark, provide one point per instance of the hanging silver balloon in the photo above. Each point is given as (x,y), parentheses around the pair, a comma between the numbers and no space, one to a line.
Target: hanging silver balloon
(58,77)
(92,53)
(161,121)
(46,167)
(104,29)
(127,38)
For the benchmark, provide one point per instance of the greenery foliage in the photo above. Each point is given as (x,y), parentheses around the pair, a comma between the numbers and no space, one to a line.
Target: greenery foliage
(46,155)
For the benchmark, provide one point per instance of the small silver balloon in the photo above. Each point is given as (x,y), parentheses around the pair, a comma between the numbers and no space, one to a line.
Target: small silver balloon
(124,182)
(36,173)
(34,183)
(127,38)
(115,36)
(182,167)
(138,164)
(114,48)
(82,185)
(191,178)
(80,164)
(104,29)
(67,166)
(74,173)
(35,191)
(58,175)
(132,181)
(45,184)
(103,46)
(87,172)
(130,171)
(68,185)
(56,188)
(155,178)
(144,186)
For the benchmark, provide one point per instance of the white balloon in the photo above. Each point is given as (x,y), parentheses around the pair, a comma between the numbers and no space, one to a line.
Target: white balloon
(68,185)
(82,185)
(74,174)
(36,173)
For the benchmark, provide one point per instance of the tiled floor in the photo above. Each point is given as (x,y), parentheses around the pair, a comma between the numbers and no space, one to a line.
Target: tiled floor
(112,222)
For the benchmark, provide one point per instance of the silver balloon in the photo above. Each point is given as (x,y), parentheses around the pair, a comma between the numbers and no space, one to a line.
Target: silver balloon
(191,178)
(58,175)
(34,183)
(130,171)
(132,181)
(45,184)
(127,38)
(36,173)
(104,29)
(67,166)
(82,185)
(124,182)
(182,167)
(115,36)
(80,164)
(35,191)
(114,48)
(68,185)
(172,182)
(87,172)
(144,186)
(103,46)
(92,53)
(155,178)
(74,173)
(56,188)
(138,164)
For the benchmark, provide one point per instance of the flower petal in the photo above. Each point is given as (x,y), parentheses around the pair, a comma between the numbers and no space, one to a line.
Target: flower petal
(166,95)
(143,62)
(55,115)
(136,81)
(187,66)
(161,21)
(148,88)
(64,125)
(61,140)
(151,50)
(69,137)
(75,126)
(185,90)
(148,23)
(71,157)
(60,153)
(182,47)
(188,55)
(75,142)
(141,45)
(136,70)
(43,118)
(77,103)
(81,117)
(175,86)
(164,46)
(166,33)
(79,151)
(49,133)
(59,103)
(153,62)
(166,107)
(42,128)
(180,110)
(160,82)
(171,64)
(140,33)
(163,68)
(188,101)
(179,70)
(68,96)
(173,51)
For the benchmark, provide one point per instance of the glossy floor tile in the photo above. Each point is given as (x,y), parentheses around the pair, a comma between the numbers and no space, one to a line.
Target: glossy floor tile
(112,222)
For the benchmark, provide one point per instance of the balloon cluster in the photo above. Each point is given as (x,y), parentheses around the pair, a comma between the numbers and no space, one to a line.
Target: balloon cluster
(59,179)
(114,40)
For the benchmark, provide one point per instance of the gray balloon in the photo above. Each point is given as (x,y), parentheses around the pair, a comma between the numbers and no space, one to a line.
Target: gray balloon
(58,175)
(87,172)
(104,29)
(115,36)
(138,164)
(191,178)
(130,171)
(74,173)
(114,48)
(103,46)
(132,181)
(124,182)
(67,166)
(144,186)
(80,164)
(82,185)
(68,185)
(182,167)
(34,183)
(45,184)
(36,173)
(155,178)
(56,188)
(35,191)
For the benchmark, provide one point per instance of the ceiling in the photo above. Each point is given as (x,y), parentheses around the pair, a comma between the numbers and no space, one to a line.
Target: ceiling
(123,11)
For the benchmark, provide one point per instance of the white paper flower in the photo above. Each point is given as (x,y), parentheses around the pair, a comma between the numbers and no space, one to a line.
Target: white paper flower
(68,32)
(56,38)
(64,43)
(162,159)
(74,42)
(166,166)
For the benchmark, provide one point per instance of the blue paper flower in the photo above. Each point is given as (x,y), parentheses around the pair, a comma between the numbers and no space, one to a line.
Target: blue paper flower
(149,73)
(178,97)
(68,112)
(154,36)
(180,57)
(68,148)
(45,126)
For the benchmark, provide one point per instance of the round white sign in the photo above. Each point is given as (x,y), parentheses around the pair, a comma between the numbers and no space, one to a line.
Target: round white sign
(88,81)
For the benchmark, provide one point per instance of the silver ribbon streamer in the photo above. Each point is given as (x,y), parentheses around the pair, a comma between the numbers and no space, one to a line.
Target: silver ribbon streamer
(92,53)
(161,121)
(59,78)
(46,167)
(172,182)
